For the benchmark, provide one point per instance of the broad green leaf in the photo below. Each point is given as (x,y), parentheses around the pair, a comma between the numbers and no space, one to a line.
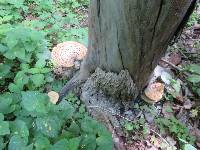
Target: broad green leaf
(189,147)
(19,127)
(17,143)
(194,68)
(40,63)
(33,70)
(37,79)
(21,78)
(24,66)
(4,28)
(105,142)
(14,88)
(64,110)
(49,126)
(42,143)
(3,48)
(73,143)
(60,145)
(194,78)
(34,101)
(129,126)
(6,106)
(45,70)
(4,70)
(88,142)
(74,129)
(198,91)
(4,128)
(1,117)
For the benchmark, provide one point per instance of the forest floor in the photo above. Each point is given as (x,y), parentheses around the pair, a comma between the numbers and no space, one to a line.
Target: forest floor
(29,121)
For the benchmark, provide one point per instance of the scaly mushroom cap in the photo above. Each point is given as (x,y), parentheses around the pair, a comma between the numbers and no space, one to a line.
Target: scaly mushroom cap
(64,54)
(154,91)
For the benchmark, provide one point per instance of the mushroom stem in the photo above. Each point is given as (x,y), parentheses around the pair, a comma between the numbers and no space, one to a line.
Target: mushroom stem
(79,78)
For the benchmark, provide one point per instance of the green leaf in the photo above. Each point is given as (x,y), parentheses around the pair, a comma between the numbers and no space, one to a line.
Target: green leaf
(88,142)
(194,78)
(189,147)
(19,127)
(4,128)
(40,63)
(60,145)
(194,68)
(4,70)
(17,143)
(49,126)
(63,110)
(14,88)
(1,117)
(21,79)
(24,66)
(74,143)
(33,70)
(37,79)
(6,106)
(34,101)
(42,143)
(105,142)
(129,126)
(3,48)
(198,91)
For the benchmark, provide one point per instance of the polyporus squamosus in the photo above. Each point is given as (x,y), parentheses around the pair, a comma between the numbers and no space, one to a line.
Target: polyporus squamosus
(65,54)
(154,92)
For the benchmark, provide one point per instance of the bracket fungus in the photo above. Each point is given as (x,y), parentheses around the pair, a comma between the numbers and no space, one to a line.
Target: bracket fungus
(65,54)
(154,92)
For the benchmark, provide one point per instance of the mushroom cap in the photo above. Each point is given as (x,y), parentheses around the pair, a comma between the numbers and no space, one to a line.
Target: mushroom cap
(64,54)
(53,97)
(154,91)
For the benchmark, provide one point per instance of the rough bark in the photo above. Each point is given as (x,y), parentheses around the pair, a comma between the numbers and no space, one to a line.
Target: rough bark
(129,35)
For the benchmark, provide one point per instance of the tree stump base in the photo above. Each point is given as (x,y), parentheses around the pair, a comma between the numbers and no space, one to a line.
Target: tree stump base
(107,108)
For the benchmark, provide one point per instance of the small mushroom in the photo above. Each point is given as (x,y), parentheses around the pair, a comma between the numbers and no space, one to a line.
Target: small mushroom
(66,53)
(154,92)
(53,97)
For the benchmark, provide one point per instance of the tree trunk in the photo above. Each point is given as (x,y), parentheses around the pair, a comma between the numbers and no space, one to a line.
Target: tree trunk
(130,35)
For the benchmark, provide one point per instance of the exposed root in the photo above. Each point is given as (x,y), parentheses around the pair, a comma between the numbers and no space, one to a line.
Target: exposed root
(79,78)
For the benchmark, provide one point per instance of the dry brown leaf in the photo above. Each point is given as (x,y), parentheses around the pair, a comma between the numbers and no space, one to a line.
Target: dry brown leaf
(53,97)
(174,58)
(187,104)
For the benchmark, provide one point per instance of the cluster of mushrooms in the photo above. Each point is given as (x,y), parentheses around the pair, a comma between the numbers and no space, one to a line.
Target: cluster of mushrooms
(67,53)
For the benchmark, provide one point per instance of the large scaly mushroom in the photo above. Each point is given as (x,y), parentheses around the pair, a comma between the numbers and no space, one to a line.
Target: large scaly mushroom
(153,93)
(65,54)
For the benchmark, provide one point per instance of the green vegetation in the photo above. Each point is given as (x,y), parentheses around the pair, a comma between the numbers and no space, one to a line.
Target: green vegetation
(28,120)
